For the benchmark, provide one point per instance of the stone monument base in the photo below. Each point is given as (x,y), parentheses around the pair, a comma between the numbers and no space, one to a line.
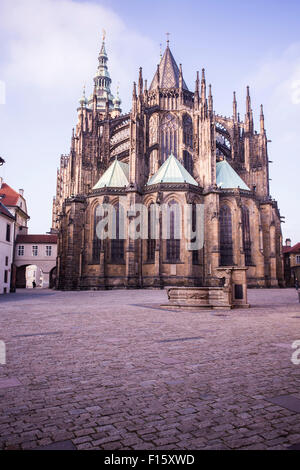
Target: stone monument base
(197,298)
(233,293)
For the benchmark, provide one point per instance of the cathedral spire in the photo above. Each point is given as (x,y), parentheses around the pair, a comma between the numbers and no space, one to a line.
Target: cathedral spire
(102,80)
(235,117)
(83,100)
(197,83)
(134,95)
(262,120)
(157,78)
(248,101)
(140,81)
(196,94)
(203,86)
(203,96)
(134,99)
(180,76)
(168,74)
(168,39)
(210,101)
(249,114)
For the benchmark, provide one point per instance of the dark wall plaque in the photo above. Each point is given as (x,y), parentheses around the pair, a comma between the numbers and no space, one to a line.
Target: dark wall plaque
(238,291)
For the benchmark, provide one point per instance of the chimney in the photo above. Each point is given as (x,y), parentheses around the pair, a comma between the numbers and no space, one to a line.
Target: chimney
(288,242)
(21,192)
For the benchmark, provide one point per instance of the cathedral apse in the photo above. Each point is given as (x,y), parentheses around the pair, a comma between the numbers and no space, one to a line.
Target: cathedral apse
(171,149)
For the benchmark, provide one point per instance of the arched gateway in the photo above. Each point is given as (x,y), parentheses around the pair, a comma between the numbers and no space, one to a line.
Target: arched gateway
(35,260)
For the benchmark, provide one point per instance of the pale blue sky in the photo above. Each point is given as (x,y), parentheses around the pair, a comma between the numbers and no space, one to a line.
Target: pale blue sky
(49,50)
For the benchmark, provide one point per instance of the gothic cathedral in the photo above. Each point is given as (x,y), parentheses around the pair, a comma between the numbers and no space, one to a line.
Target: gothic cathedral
(173,149)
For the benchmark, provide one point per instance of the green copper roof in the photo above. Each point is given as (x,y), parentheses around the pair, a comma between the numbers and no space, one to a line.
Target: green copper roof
(227,177)
(172,171)
(116,176)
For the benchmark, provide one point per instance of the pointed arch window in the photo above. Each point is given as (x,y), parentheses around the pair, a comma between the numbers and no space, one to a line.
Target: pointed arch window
(187,130)
(195,253)
(169,136)
(153,129)
(117,243)
(151,242)
(173,243)
(96,240)
(246,235)
(188,161)
(226,245)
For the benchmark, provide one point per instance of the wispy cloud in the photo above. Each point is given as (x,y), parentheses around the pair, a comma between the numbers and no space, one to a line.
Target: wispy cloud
(277,84)
(53,45)
(49,50)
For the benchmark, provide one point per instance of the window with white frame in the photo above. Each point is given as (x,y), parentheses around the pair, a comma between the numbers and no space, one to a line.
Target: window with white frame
(48,250)
(21,250)
(298,259)
(34,250)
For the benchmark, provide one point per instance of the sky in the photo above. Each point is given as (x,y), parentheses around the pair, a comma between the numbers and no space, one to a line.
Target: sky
(49,50)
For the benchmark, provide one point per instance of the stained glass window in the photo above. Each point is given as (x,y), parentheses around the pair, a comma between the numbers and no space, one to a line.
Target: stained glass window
(153,128)
(117,243)
(195,253)
(96,240)
(188,161)
(246,235)
(151,242)
(226,246)
(187,130)
(169,136)
(173,244)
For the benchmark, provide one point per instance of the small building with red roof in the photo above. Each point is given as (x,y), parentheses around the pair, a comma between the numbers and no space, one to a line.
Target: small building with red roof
(291,256)
(28,259)
(7,226)
(16,204)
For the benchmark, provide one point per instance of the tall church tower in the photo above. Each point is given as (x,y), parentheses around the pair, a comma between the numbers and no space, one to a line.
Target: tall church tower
(102,83)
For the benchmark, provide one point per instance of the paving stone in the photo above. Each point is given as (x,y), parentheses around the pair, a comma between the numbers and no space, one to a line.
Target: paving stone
(132,375)
(84,432)
(9,382)
(63,445)
(81,440)
(295,446)
(287,401)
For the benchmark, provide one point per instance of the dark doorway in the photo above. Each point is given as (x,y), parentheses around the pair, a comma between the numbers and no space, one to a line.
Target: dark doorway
(52,278)
(21,277)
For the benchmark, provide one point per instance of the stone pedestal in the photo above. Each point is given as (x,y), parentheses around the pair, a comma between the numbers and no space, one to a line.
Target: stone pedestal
(233,293)
(198,298)
(235,280)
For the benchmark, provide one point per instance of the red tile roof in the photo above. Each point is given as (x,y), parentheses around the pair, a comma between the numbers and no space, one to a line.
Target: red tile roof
(36,239)
(11,196)
(292,249)
(5,211)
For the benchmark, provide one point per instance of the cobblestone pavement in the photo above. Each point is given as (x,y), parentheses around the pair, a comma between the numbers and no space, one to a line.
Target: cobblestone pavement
(112,370)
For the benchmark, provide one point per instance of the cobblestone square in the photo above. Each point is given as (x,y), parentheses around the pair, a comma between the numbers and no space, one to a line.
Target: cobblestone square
(113,370)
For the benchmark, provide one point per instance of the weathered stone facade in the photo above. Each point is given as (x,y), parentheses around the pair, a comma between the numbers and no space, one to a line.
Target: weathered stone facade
(242,226)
